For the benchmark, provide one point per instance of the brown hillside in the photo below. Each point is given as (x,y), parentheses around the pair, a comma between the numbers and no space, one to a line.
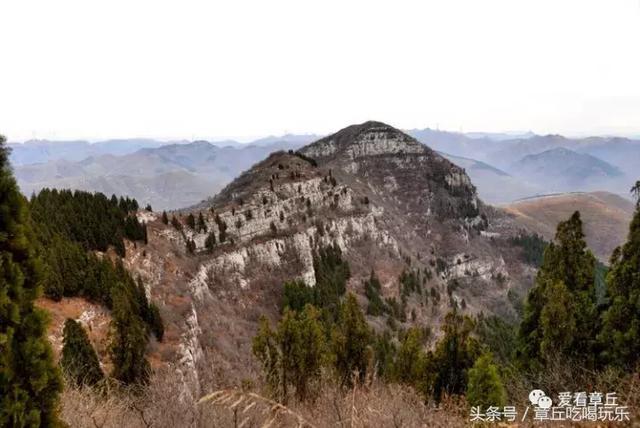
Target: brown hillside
(606,217)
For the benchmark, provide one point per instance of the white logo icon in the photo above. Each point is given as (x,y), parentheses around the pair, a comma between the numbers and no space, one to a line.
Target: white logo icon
(540,399)
(535,395)
(545,403)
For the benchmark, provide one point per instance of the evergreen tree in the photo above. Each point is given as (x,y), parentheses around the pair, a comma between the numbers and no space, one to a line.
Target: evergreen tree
(79,359)
(29,381)
(293,354)
(384,352)
(222,228)
(621,321)
(210,241)
(351,342)
(155,322)
(128,341)
(410,360)
(485,386)
(454,355)
(191,221)
(297,295)
(191,246)
(202,225)
(332,273)
(372,288)
(165,217)
(176,223)
(563,298)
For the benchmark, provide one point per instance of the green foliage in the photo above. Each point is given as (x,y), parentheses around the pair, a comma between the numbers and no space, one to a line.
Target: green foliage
(620,334)
(148,312)
(384,352)
(410,363)
(89,219)
(410,283)
(376,305)
(485,386)
(454,355)
(155,322)
(350,342)
(499,336)
(128,342)
(292,355)
(533,247)
(79,359)
(332,273)
(29,381)
(305,158)
(297,295)
(563,299)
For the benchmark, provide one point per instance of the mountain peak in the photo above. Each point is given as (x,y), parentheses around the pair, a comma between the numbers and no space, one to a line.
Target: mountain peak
(365,139)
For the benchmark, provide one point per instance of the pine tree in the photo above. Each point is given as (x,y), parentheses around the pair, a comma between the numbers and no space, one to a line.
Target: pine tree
(79,359)
(372,288)
(351,342)
(485,386)
(29,381)
(293,354)
(454,355)
(202,225)
(563,297)
(620,334)
(176,223)
(210,241)
(128,341)
(165,218)
(191,221)
(191,246)
(409,365)
(297,295)
(155,322)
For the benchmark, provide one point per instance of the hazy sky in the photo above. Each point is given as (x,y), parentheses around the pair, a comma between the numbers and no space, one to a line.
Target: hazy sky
(203,69)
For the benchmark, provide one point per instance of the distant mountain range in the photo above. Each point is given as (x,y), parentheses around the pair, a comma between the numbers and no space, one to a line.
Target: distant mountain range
(168,177)
(494,185)
(568,164)
(563,169)
(504,166)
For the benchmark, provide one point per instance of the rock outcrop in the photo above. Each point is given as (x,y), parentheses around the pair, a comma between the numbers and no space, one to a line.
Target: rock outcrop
(391,204)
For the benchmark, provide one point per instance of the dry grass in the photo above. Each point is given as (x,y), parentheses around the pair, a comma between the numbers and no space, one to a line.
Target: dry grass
(377,405)
(606,217)
(373,405)
(159,405)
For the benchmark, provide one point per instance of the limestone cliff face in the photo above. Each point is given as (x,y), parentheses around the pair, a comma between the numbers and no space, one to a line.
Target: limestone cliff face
(394,164)
(391,205)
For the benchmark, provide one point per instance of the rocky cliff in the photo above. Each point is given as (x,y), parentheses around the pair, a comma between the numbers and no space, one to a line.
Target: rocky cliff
(391,204)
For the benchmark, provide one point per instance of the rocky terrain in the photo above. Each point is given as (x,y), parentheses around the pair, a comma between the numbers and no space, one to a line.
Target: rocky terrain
(391,204)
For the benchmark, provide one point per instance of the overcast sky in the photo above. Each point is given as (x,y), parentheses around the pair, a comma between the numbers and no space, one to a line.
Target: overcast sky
(203,69)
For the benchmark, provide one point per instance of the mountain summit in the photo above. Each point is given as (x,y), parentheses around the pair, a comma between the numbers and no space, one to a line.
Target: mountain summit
(396,165)
(368,194)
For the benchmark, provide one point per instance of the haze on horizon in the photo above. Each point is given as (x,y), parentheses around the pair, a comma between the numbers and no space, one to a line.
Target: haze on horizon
(159,69)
